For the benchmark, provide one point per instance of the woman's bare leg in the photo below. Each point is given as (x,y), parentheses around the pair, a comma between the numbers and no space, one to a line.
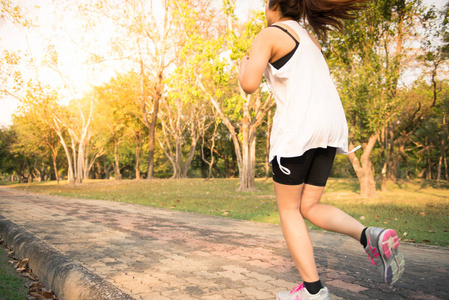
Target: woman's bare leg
(299,202)
(325,216)
(295,232)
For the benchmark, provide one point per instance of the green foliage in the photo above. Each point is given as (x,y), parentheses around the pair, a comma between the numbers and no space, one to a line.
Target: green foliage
(242,43)
(368,60)
(7,139)
(118,118)
(429,144)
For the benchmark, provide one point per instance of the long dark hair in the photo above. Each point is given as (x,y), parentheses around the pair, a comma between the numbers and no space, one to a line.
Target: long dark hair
(320,14)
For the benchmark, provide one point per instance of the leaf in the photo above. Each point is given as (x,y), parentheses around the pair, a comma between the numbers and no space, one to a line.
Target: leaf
(23,263)
(36,295)
(377,216)
(30,276)
(33,285)
(422,213)
(47,294)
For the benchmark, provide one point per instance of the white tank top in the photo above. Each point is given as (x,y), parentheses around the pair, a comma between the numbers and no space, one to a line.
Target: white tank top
(309,113)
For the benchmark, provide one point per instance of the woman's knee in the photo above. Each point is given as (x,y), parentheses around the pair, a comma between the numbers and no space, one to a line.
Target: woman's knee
(306,208)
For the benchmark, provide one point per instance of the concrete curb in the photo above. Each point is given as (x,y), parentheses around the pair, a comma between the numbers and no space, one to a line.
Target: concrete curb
(56,271)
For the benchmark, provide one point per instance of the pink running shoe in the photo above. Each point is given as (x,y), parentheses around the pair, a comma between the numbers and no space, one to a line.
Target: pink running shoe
(382,249)
(300,292)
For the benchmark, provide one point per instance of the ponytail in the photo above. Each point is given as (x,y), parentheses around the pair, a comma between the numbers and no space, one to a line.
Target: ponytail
(320,14)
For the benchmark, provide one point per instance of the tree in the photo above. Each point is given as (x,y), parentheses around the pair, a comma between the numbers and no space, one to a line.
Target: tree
(118,117)
(39,143)
(144,38)
(216,76)
(43,98)
(368,60)
(185,114)
(427,147)
(7,161)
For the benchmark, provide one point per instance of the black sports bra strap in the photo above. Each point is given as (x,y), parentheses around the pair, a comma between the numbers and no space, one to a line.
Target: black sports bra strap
(286,31)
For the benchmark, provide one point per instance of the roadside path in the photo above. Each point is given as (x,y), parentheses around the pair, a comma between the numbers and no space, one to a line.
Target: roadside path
(152,253)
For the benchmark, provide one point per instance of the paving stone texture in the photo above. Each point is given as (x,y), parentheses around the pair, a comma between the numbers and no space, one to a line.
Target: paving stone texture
(152,253)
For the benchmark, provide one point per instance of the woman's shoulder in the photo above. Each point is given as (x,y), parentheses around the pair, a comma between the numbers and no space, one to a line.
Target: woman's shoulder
(269,36)
(268,32)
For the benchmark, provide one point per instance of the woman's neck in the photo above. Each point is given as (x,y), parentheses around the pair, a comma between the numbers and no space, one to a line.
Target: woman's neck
(280,19)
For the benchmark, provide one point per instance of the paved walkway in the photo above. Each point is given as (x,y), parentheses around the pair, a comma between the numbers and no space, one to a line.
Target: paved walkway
(152,253)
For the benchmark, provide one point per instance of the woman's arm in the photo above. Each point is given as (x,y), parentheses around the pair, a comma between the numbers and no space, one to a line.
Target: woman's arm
(253,66)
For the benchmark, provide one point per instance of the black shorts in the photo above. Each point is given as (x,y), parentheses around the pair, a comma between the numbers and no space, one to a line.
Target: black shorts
(313,167)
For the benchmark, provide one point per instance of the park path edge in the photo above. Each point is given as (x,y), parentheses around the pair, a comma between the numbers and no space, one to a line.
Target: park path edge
(67,279)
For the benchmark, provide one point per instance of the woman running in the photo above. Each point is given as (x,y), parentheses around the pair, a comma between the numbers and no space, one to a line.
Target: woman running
(309,128)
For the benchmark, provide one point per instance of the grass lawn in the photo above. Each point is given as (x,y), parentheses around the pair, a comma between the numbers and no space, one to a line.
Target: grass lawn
(416,209)
(12,284)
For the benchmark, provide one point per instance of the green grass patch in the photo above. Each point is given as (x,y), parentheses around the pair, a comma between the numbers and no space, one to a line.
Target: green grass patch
(5,182)
(417,209)
(12,284)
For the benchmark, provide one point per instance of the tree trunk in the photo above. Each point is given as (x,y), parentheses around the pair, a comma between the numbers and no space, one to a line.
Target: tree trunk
(445,167)
(443,150)
(194,133)
(82,142)
(246,172)
(80,162)
(118,176)
(227,168)
(212,147)
(54,157)
(55,167)
(400,143)
(74,157)
(106,169)
(42,172)
(151,125)
(363,169)
(138,147)
(177,172)
(188,162)
(86,165)
(70,175)
(384,149)
(161,45)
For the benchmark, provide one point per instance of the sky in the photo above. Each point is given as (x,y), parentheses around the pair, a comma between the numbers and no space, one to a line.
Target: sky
(73,54)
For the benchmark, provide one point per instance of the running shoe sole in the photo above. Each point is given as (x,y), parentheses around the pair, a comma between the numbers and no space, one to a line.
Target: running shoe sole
(393,263)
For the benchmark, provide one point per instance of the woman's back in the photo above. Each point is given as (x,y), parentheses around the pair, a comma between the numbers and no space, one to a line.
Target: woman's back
(309,113)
